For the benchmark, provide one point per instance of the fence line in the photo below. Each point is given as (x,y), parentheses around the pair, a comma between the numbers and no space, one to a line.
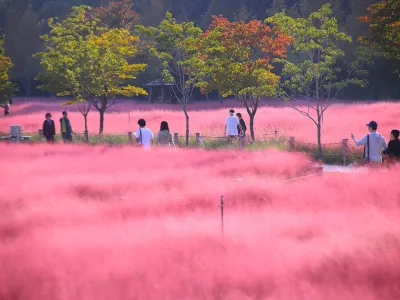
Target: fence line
(343,148)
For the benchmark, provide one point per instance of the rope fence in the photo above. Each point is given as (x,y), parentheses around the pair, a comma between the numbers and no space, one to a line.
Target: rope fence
(337,151)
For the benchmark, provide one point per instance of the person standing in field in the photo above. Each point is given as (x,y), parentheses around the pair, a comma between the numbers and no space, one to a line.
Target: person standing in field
(242,129)
(232,126)
(373,144)
(164,136)
(393,150)
(6,107)
(144,136)
(49,129)
(66,129)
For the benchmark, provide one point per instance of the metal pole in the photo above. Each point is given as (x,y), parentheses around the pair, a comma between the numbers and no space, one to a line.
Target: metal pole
(222,215)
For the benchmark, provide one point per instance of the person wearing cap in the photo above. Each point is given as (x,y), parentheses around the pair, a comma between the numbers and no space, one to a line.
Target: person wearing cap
(49,129)
(232,125)
(66,129)
(374,143)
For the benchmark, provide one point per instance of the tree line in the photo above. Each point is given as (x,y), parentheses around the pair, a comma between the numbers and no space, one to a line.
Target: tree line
(24,21)
(96,54)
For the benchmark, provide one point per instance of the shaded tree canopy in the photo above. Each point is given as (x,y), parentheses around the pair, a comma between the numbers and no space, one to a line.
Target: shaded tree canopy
(24,21)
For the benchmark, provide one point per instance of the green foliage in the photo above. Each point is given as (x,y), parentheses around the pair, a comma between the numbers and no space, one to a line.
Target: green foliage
(174,44)
(317,72)
(234,57)
(384,28)
(6,87)
(88,61)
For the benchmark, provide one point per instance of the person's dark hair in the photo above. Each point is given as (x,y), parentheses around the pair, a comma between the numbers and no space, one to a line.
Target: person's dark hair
(239,115)
(164,126)
(65,113)
(395,133)
(48,115)
(142,123)
(231,111)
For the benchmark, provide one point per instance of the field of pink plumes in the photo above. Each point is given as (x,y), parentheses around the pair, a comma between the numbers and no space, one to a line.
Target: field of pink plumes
(208,118)
(99,223)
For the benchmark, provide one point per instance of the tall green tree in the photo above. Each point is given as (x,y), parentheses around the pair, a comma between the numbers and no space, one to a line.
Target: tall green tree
(6,87)
(384,28)
(316,72)
(22,30)
(174,44)
(89,62)
(235,57)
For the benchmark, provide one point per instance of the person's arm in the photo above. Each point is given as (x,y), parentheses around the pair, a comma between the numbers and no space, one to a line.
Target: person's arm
(384,145)
(137,137)
(171,139)
(70,126)
(158,138)
(44,128)
(361,142)
(225,130)
(151,138)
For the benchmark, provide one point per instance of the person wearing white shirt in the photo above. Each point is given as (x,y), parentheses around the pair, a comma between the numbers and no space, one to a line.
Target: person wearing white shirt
(232,125)
(374,143)
(144,136)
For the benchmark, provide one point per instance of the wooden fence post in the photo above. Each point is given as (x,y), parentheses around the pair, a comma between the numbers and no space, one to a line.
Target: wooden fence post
(292,142)
(319,170)
(176,139)
(130,137)
(198,140)
(41,134)
(345,149)
(241,142)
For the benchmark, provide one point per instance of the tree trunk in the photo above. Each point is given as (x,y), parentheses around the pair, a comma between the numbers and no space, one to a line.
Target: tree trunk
(187,127)
(86,133)
(101,111)
(85,117)
(319,127)
(252,115)
(319,141)
(220,98)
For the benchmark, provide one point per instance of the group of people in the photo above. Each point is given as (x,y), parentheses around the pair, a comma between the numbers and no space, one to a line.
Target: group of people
(235,125)
(49,128)
(376,151)
(375,147)
(144,136)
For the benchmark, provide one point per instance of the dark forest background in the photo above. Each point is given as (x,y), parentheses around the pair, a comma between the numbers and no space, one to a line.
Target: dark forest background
(24,21)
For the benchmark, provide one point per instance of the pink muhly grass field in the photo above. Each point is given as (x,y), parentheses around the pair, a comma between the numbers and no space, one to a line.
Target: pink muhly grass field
(99,223)
(209,118)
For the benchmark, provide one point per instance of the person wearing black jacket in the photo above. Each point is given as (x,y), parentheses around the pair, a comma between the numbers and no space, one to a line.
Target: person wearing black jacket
(393,151)
(49,129)
(243,128)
